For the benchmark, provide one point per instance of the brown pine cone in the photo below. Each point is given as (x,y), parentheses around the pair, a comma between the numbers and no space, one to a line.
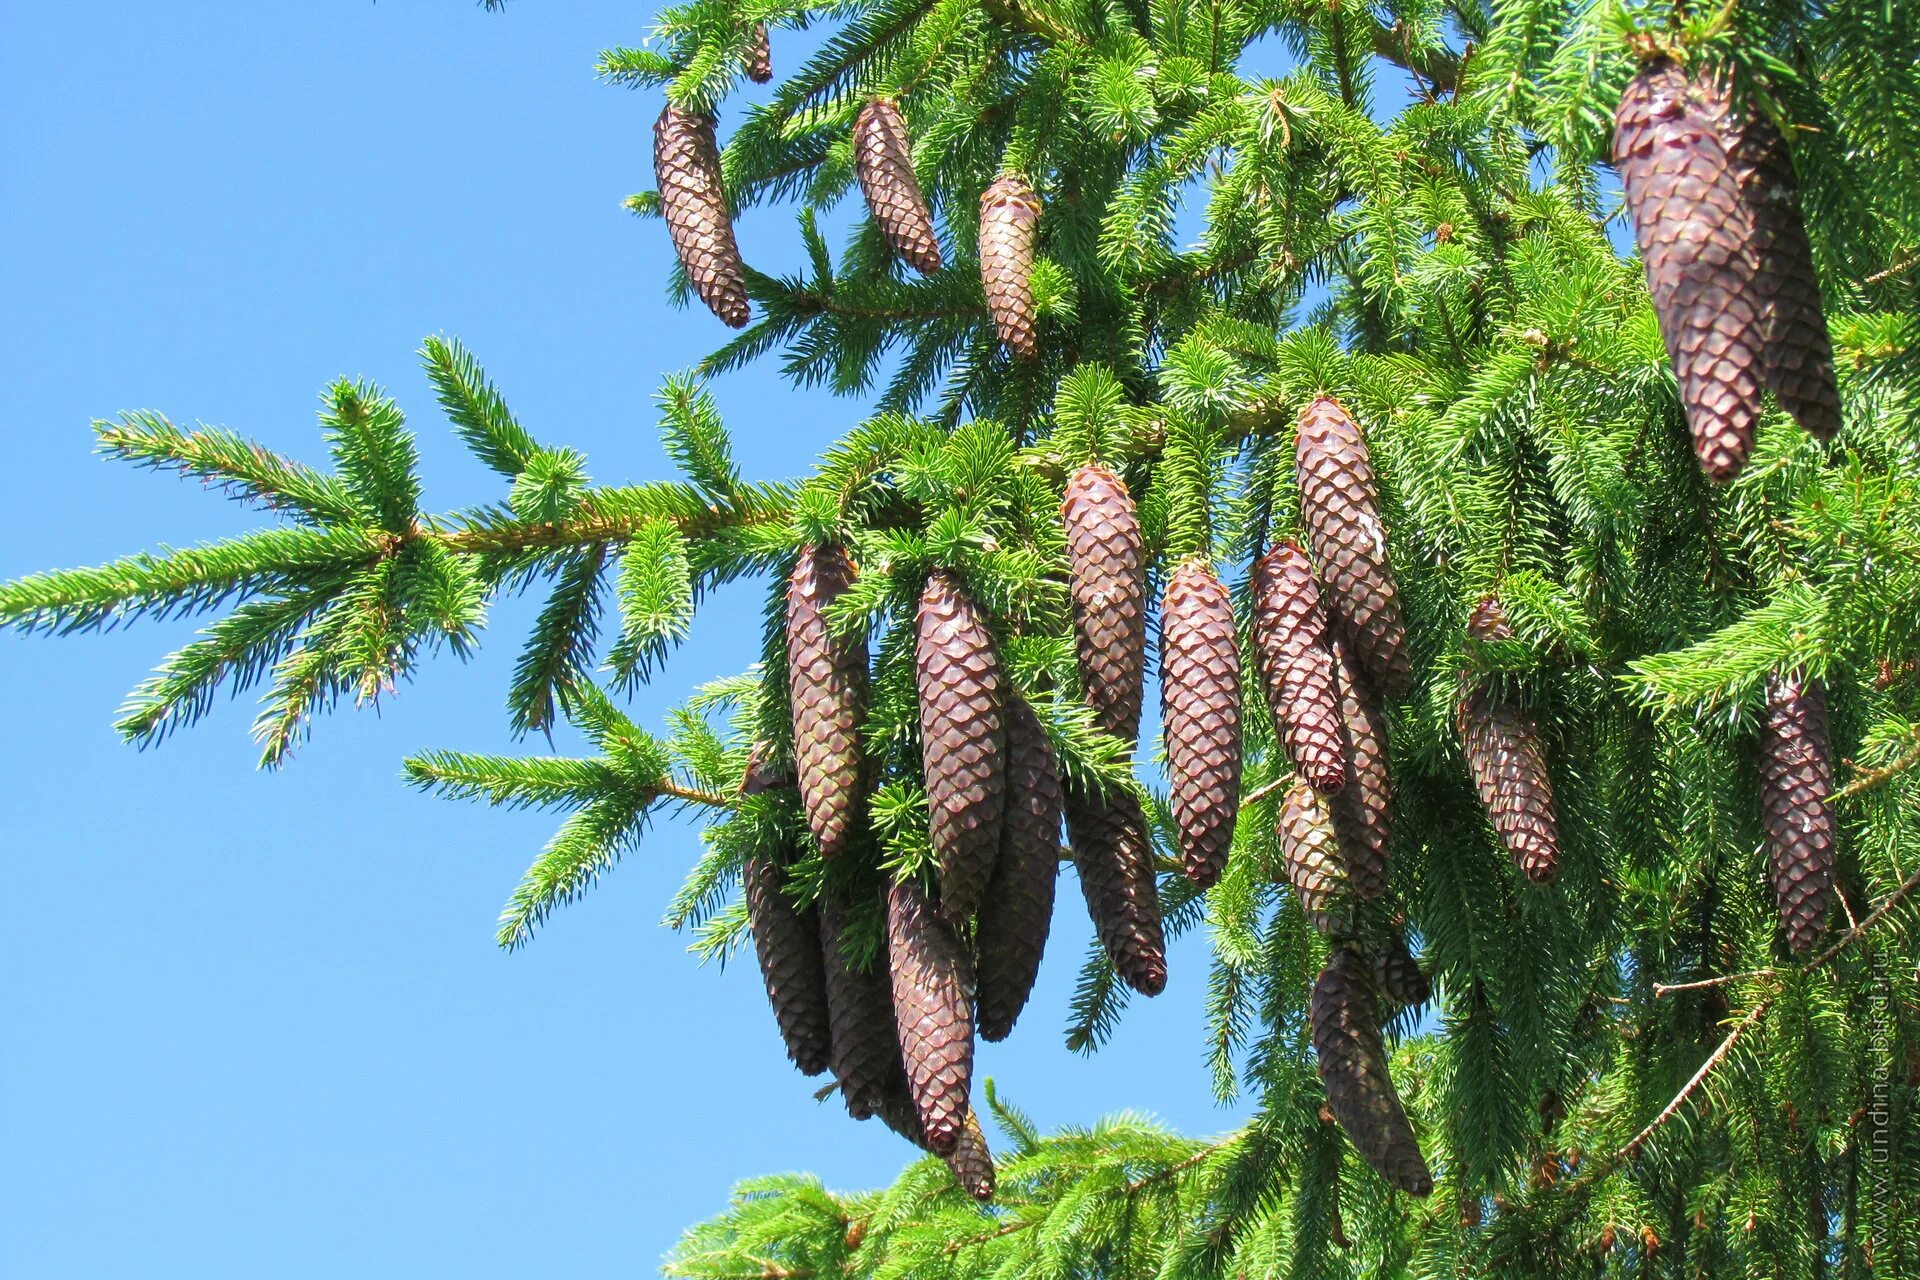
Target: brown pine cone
(760,56)
(1353,1067)
(865,1056)
(1363,809)
(765,771)
(1340,510)
(970,1161)
(827,689)
(1200,710)
(1310,856)
(1509,764)
(1796,778)
(1009,230)
(962,738)
(1114,855)
(1696,236)
(883,160)
(686,168)
(1018,908)
(1398,975)
(932,1010)
(787,941)
(1296,669)
(1106,558)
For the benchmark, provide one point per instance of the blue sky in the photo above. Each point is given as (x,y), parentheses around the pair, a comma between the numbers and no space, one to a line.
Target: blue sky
(255,1025)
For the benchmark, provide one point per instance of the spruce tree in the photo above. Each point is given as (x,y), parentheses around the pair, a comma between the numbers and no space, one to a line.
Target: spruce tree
(1385,307)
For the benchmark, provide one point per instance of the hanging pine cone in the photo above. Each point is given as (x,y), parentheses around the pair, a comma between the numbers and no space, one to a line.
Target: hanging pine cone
(827,689)
(787,941)
(1200,710)
(1353,1067)
(865,1055)
(1508,762)
(1114,855)
(686,168)
(932,1011)
(764,771)
(1106,558)
(1695,236)
(1398,975)
(1362,809)
(1796,777)
(760,55)
(883,160)
(1009,230)
(1340,509)
(1296,669)
(1310,856)
(1018,908)
(962,738)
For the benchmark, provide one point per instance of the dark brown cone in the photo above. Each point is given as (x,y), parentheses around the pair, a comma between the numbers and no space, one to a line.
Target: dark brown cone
(970,1161)
(865,1056)
(1363,809)
(1018,908)
(1353,1067)
(1310,856)
(1106,558)
(932,1012)
(883,160)
(1114,855)
(1797,352)
(787,941)
(1009,230)
(1340,511)
(827,688)
(760,56)
(686,167)
(1200,712)
(962,738)
(1296,669)
(1796,777)
(1509,765)
(1398,975)
(1695,236)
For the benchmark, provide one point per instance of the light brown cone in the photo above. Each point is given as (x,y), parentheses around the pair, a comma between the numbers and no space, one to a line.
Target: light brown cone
(1296,668)
(1504,753)
(1009,231)
(1340,510)
(865,1056)
(827,690)
(1796,777)
(1106,560)
(1398,975)
(1018,908)
(1310,857)
(883,161)
(1200,713)
(932,1011)
(1362,809)
(686,167)
(1353,1067)
(1114,855)
(787,941)
(962,741)
(760,56)
(1696,244)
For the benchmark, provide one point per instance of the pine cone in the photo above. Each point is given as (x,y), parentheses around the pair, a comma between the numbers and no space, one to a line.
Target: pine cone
(1353,1067)
(970,1161)
(1200,709)
(962,737)
(827,689)
(1018,908)
(1695,237)
(1114,855)
(932,1011)
(883,159)
(1363,809)
(1106,557)
(760,56)
(1310,856)
(865,1056)
(1398,975)
(765,771)
(1509,764)
(1009,229)
(1796,777)
(787,940)
(686,167)
(1340,509)
(1296,670)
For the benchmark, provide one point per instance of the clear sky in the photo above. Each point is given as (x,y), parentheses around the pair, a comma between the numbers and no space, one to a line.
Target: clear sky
(255,1025)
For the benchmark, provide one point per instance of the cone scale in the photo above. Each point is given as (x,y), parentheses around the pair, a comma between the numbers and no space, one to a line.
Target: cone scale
(1200,713)
(1363,808)
(933,1012)
(1310,858)
(1106,560)
(865,1052)
(1009,231)
(1114,857)
(1353,1067)
(1504,753)
(1796,777)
